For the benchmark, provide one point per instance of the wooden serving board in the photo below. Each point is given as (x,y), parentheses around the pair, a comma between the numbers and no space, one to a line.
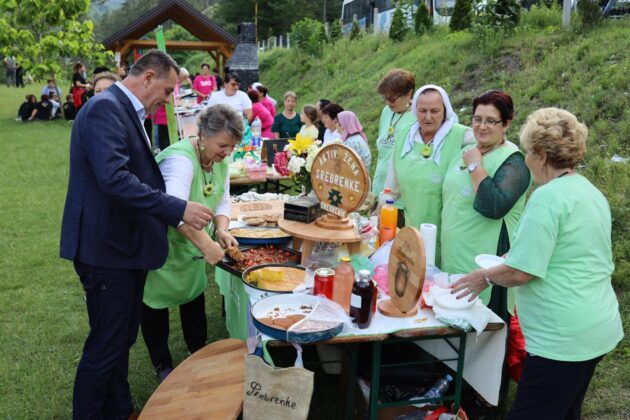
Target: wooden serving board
(256,208)
(406,269)
(207,385)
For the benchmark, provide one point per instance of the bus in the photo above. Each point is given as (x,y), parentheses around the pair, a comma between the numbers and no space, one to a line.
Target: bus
(364,13)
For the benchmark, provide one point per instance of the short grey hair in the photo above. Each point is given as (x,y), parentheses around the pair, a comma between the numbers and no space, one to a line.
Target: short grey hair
(155,60)
(218,119)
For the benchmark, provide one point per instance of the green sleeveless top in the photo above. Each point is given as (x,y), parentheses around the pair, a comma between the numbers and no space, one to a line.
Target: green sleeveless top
(466,232)
(420,179)
(181,279)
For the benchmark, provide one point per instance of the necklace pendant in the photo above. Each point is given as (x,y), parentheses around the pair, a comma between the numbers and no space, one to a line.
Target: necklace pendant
(390,130)
(426,150)
(207,189)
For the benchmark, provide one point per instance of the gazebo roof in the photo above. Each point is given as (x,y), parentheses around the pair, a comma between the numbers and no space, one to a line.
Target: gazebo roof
(179,11)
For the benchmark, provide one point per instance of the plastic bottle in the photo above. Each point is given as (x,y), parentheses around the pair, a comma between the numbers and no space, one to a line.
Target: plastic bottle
(383,197)
(256,132)
(437,390)
(361,299)
(344,280)
(389,221)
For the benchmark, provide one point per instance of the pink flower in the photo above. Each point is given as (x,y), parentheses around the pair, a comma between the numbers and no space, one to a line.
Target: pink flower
(280,163)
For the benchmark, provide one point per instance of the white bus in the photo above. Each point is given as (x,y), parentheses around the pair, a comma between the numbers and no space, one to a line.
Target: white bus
(378,13)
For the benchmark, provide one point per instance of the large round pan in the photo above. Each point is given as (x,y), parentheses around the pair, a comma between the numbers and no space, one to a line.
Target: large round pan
(258,292)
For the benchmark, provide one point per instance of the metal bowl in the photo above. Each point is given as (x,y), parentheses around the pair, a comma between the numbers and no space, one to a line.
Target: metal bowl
(259,293)
(227,263)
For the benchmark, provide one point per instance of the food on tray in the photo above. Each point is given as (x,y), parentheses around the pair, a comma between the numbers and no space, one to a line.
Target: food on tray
(284,322)
(236,254)
(266,254)
(278,279)
(254,220)
(268,220)
(254,233)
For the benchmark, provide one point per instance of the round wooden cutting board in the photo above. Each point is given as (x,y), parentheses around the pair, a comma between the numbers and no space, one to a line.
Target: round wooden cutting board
(406,270)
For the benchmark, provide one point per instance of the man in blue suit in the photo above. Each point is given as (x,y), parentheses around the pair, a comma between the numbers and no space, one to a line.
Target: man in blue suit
(114,227)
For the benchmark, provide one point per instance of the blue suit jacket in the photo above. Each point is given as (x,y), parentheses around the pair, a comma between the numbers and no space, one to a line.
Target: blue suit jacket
(116,211)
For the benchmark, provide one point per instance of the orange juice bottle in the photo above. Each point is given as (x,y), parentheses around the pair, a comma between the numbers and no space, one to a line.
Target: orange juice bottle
(389,221)
(342,285)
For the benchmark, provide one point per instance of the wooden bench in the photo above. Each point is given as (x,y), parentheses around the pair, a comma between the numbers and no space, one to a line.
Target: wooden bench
(207,385)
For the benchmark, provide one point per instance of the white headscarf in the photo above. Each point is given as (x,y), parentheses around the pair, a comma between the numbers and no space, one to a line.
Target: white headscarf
(450,120)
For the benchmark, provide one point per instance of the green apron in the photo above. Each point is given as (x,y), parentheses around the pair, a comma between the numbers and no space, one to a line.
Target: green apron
(467,233)
(181,279)
(420,179)
(385,144)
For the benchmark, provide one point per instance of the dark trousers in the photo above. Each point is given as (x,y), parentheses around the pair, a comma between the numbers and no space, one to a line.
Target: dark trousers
(550,389)
(114,305)
(162,135)
(155,330)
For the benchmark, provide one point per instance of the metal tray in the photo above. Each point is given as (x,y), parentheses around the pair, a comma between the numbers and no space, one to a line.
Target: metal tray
(227,262)
(283,240)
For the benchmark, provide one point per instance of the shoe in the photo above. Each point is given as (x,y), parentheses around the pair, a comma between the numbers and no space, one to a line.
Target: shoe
(163,373)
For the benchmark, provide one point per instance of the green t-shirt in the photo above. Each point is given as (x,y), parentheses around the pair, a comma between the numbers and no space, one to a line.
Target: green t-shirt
(286,128)
(568,311)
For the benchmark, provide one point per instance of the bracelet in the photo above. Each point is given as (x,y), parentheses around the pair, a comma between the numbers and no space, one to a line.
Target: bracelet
(488,281)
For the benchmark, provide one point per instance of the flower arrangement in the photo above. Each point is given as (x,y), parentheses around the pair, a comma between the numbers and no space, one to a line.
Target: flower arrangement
(297,159)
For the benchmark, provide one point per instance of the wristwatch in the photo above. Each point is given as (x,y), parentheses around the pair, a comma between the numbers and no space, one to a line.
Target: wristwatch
(472,167)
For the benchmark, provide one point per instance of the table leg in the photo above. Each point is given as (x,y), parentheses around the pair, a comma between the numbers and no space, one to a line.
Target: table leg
(376,379)
(352,379)
(354,247)
(297,243)
(460,372)
(307,249)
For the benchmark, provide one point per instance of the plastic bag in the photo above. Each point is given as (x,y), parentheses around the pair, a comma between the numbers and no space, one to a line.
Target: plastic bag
(316,326)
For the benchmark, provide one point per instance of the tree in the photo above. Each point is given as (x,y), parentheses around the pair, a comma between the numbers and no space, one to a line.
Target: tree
(398,29)
(335,30)
(355,31)
(422,21)
(461,18)
(45,36)
(306,36)
(510,9)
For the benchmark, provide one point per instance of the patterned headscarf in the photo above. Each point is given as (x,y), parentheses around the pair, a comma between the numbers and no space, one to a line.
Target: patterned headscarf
(350,124)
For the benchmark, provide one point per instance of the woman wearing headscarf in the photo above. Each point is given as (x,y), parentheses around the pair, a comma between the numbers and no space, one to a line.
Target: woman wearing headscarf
(352,134)
(422,154)
(396,88)
(484,195)
(560,265)
(194,170)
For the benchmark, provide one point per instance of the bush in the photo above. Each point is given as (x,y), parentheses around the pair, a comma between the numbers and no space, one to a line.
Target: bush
(306,36)
(422,21)
(355,32)
(499,14)
(510,10)
(398,29)
(590,14)
(542,16)
(461,18)
(335,30)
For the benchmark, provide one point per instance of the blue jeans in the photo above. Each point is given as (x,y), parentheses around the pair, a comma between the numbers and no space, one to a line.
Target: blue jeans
(114,305)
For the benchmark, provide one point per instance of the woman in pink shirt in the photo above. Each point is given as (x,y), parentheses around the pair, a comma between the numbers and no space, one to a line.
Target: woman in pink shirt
(259,110)
(204,84)
(268,103)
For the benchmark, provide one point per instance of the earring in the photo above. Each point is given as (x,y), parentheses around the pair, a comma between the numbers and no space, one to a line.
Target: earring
(202,147)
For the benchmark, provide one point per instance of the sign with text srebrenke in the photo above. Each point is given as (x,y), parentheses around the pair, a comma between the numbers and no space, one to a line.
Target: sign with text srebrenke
(340,180)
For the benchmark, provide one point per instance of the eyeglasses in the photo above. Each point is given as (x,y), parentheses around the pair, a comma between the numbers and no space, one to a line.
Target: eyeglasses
(390,99)
(490,122)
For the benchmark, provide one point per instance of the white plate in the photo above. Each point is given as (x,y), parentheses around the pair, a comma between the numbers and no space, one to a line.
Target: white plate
(488,260)
(444,298)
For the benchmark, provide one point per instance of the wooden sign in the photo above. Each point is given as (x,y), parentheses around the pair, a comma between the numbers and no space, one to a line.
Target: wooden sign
(340,180)
(406,271)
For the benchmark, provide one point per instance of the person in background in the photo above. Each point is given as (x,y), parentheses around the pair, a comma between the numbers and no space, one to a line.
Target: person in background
(218,78)
(352,134)
(264,99)
(421,156)
(259,110)
(204,84)
(273,101)
(232,96)
(396,89)
(80,85)
(484,195)
(99,70)
(287,124)
(329,118)
(69,111)
(196,170)
(10,65)
(308,116)
(19,75)
(182,80)
(54,95)
(103,81)
(560,266)
(27,108)
(43,110)
(320,125)
(121,71)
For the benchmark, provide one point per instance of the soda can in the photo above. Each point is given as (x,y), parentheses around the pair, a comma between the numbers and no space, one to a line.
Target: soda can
(324,278)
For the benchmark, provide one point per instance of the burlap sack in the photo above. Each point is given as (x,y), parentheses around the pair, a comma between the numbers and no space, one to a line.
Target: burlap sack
(275,393)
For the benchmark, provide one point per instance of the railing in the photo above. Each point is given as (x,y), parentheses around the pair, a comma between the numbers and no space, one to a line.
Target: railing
(281,41)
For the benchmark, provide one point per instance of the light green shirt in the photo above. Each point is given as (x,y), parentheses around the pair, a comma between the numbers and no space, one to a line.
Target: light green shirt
(568,311)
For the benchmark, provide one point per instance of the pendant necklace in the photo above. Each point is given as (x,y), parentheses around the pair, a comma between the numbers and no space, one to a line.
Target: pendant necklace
(392,127)
(427,149)
(208,186)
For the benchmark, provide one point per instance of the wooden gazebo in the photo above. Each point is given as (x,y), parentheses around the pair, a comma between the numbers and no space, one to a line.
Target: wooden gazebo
(212,37)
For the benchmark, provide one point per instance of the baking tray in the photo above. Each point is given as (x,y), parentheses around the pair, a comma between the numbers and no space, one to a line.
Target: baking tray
(227,262)
(288,305)
(283,240)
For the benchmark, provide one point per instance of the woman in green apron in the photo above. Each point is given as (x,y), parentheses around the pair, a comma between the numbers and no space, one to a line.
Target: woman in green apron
(195,170)
(396,89)
(484,195)
(421,156)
